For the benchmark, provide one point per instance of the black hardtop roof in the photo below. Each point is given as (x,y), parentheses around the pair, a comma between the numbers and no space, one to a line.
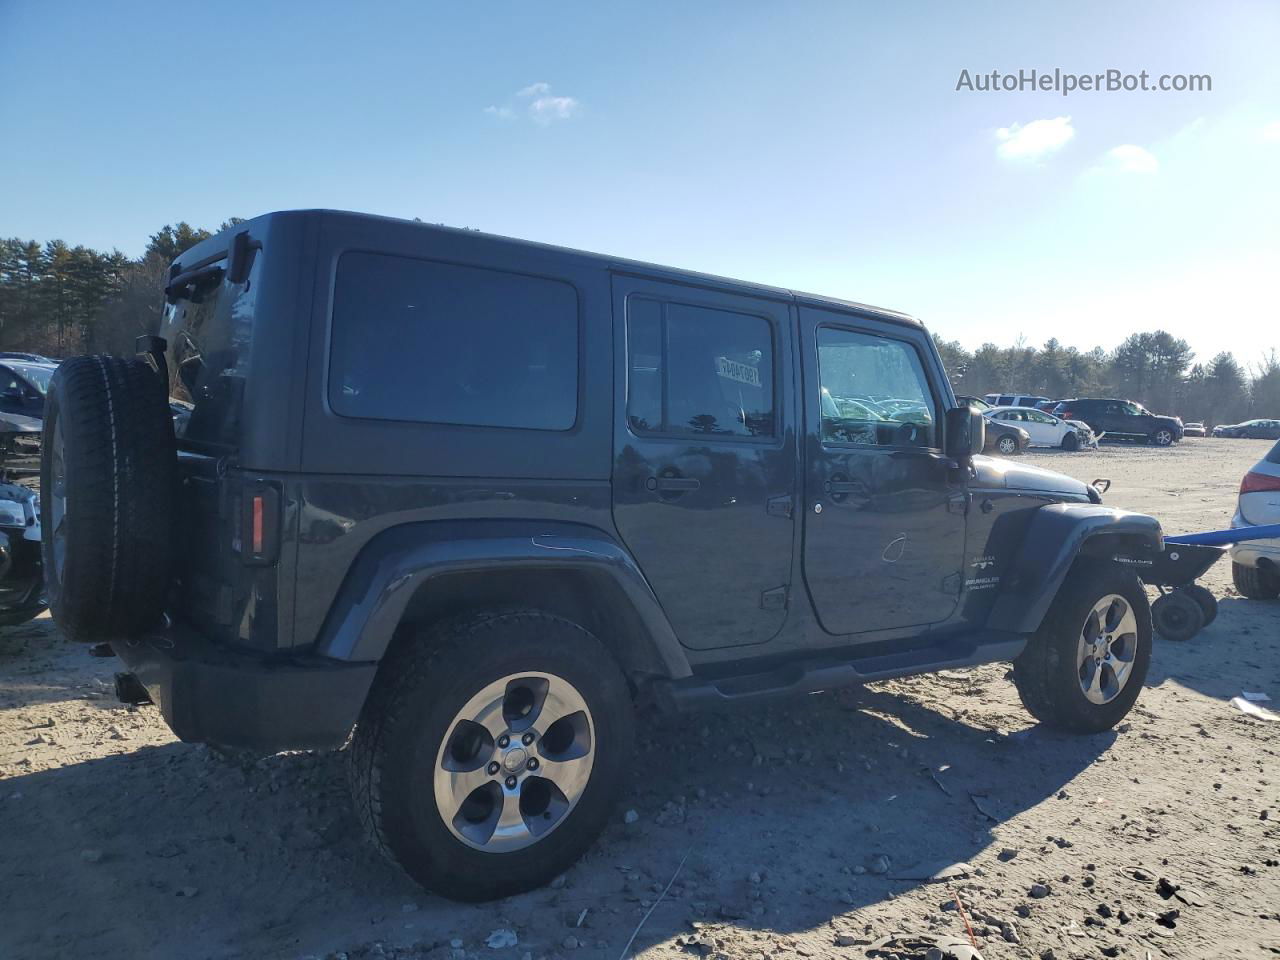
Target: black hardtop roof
(218,243)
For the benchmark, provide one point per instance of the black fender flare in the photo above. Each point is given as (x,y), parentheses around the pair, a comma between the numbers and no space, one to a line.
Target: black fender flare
(1055,537)
(389,570)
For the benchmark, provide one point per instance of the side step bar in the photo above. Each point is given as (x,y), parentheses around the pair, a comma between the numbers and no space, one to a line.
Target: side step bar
(815,674)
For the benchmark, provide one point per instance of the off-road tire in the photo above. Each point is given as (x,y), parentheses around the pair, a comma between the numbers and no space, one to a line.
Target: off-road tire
(1255,583)
(1046,673)
(119,465)
(416,696)
(1203,596)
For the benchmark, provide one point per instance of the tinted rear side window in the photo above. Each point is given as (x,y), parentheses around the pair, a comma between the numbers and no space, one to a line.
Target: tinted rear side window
(1274,455)
(433,342)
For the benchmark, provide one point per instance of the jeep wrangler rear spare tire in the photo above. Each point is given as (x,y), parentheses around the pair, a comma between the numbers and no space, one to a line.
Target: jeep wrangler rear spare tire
(1083,669)
(489,753)
(107,478)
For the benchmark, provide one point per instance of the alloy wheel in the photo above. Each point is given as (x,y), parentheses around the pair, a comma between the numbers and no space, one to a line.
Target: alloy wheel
(1107,648)
(515,761)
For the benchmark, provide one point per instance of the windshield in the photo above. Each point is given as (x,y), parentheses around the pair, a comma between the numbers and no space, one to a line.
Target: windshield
(36,374)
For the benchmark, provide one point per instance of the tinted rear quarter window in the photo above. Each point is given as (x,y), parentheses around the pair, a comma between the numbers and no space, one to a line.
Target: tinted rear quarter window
(431,342)
(1274,455)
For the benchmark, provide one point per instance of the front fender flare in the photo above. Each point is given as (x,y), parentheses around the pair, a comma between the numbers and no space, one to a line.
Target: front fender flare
(1056,536)
(393,565)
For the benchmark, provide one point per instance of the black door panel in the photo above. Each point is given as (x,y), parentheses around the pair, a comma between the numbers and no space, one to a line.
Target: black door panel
(705,468)
(885,523)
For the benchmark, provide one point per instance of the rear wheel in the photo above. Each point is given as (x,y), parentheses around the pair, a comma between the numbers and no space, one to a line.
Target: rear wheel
(1255,583)
(1208,602)
(490,752)
(1085,666)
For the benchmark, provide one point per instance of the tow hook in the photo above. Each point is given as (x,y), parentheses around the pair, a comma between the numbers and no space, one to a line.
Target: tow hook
(129,689)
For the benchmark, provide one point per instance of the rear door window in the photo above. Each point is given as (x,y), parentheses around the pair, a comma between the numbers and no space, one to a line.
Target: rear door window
(696,370)
(429,342)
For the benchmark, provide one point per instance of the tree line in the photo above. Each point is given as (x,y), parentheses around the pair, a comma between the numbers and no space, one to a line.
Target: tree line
(59,300)
(1156,369)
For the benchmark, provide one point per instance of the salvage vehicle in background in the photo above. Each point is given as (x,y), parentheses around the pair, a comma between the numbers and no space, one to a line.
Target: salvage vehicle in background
(586,488)
(22,387)
(20,441)
(1193,429)
(1255,564)
(1250,430)
(1045,429)
(21,573)
(1122,420)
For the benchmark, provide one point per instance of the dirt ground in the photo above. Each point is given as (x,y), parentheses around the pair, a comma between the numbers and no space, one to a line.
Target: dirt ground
(808,829)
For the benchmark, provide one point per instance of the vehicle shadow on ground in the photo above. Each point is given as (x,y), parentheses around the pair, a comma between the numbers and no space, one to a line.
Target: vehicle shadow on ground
(1239,651)
(789,816)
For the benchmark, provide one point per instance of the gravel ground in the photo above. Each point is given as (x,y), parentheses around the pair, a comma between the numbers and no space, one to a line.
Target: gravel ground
(809,829)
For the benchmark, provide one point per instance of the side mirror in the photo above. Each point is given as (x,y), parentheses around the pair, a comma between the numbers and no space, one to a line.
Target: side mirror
(966,433)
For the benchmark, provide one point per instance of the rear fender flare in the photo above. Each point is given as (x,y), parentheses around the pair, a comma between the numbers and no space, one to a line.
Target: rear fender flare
(1057,535)
(391,568)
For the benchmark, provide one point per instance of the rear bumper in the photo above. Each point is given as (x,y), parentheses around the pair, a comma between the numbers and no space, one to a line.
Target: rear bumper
(233,698)
(1250,552)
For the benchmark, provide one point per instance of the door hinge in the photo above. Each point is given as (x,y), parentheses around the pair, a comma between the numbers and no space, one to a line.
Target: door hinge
(779,506)
(775,599)
(958,503)
(951,584)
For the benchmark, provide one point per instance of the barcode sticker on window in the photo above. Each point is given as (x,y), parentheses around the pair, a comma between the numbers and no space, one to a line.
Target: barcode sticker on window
(741,372)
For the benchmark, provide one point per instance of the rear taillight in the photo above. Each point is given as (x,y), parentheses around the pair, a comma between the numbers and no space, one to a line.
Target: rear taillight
(260,532)
(1065,415)
(1255,482)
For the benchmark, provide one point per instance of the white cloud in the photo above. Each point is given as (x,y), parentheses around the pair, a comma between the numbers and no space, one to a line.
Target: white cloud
(534,90)
(1036,140)
(1271,132)
(502,113)
(1129,158)
(547,109)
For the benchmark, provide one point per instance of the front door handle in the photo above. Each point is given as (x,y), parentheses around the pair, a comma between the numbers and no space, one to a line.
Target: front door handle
(844,486)
(672,484)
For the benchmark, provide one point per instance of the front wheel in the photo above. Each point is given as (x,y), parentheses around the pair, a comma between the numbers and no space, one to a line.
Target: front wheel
(1085,666)
(1071,441)
(1162,437)
(491,749)
(1007,445)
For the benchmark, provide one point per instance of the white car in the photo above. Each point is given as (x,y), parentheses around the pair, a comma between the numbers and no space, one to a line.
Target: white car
(1046,430)
(1255,564)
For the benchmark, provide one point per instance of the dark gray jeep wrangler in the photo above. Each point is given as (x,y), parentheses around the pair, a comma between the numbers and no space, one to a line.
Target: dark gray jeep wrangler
(480,500)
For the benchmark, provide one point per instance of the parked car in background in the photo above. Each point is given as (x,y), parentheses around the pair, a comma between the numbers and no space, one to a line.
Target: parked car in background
(29,357)
(1255,564)
(1045,429)
(1122,420)
(1013,400)
(1193,429)
(23,385)
(1250,430)
(19,445)
(976,402)
(1008,439)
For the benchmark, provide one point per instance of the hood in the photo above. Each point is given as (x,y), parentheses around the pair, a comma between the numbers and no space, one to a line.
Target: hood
(17,423)
(998,472)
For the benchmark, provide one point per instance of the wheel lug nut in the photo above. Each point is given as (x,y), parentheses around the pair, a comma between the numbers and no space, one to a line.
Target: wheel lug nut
(511,783)
(527,739)
(503,741)
(493,768)
(533,763)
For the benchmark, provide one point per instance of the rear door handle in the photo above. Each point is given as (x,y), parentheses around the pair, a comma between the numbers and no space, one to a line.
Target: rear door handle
(845,486)
(672,483)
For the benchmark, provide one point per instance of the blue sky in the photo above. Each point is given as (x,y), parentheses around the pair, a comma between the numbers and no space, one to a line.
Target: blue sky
(821,146)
